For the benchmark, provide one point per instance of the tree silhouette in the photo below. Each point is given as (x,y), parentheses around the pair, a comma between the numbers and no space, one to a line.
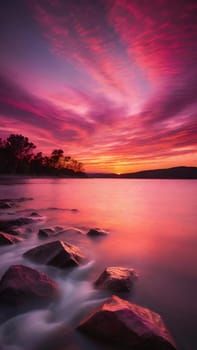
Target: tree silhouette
(17,157)
(57,158)
(20,146)
(19,152)
(37,164)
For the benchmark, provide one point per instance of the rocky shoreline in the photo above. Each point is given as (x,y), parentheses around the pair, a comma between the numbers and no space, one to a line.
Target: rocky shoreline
(116,322)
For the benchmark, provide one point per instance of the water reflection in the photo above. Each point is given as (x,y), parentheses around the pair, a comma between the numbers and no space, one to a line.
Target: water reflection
(152,227)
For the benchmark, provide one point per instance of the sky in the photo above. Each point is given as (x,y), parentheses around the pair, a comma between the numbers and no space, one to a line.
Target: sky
(111,82)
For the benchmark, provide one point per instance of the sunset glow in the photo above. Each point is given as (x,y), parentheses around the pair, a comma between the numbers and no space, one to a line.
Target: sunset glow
(112,82)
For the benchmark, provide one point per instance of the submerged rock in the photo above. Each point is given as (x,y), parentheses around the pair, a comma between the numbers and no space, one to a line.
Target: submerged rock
(6,238)
(34,214)
(21,199)
(58,253)
(74,230)
(8,203)
(7,225)
(21,221)
(128,326)
(50,232)
(5,205)
(23,288)
(94,232)
(117,279)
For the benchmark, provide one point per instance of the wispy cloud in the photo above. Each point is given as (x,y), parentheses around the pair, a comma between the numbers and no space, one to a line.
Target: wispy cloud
(16,103)
(135,100)
(81,33)
(161,34)
(60,124)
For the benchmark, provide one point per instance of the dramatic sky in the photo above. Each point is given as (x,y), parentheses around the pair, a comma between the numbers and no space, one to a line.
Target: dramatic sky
(112,82)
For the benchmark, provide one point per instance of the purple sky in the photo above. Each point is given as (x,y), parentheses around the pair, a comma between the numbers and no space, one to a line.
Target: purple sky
(112,82)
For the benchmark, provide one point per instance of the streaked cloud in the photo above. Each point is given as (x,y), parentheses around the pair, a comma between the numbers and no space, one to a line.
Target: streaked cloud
(128,94)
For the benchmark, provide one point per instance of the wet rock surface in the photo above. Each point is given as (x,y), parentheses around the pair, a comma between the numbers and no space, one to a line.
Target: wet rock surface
(23,288)
(34,214)
(9,225)
(7,203)
(130,326)
(117,324)
(50,232)
(74,210)
(74,230)
(117,279)
(7,239)
(95,232)
(57,253)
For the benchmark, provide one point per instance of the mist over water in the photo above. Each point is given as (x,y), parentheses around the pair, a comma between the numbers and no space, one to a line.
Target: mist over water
(152,228)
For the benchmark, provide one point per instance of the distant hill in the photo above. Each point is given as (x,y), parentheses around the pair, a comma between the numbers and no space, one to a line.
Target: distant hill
(181,172)
(103,175)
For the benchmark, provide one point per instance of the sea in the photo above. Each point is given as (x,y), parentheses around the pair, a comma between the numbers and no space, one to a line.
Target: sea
(151,226)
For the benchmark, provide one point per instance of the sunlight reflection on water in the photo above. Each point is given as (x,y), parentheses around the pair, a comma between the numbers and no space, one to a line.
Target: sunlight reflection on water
(152,228)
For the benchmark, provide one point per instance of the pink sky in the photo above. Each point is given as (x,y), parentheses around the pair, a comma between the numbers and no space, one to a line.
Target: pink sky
(113,82)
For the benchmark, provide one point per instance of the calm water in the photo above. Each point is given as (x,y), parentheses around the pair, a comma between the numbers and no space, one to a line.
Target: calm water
(152,227)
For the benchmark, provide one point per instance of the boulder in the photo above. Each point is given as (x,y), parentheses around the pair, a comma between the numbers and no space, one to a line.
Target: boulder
(23,288)
(6,238)
(57,253)
(94,232)
(13,232)
(7,225)
(128,326)
(117,279)
(34,214)
(50,232)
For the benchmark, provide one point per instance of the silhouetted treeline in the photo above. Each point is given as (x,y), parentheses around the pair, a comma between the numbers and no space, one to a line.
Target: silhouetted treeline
(17,156)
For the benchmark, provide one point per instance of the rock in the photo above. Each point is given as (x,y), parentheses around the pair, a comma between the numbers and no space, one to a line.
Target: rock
(23,199)
(34,214)
(128,326)
(74,230)
(50,232)
(93,232)
(117,279)
(23,288)
(13,232)
(21,221)
(6,238)
(8,203)
(57,253)
(5,205)
(7,225)
(16,200)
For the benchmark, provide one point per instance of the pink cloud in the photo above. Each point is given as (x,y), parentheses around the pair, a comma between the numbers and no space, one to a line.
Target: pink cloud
(140,106)
(87,39)
(161,34)
(103,136)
